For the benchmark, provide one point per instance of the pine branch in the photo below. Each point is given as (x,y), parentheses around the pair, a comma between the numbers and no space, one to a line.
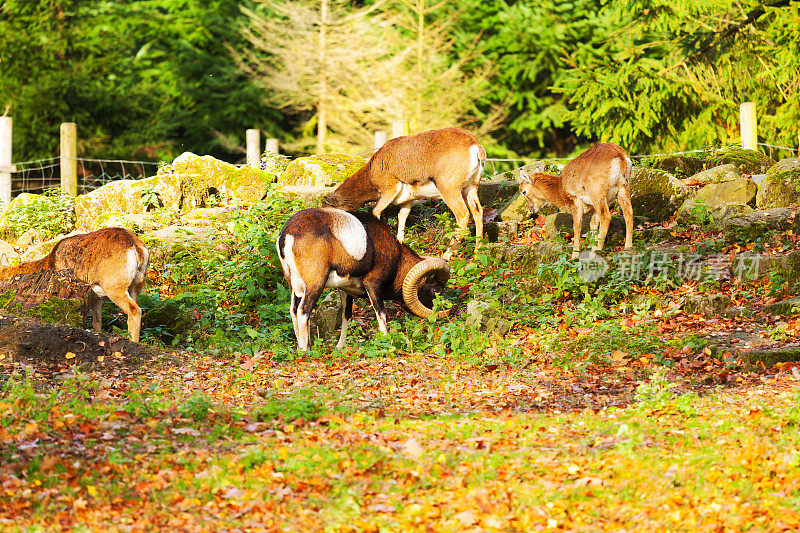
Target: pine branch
(732,30)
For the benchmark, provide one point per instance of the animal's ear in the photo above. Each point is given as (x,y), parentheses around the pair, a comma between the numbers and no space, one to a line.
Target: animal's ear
(523,175)
(4,260)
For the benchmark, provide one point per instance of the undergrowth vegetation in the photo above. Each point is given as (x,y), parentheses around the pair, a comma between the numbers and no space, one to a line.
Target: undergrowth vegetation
(239,300)
(49,213)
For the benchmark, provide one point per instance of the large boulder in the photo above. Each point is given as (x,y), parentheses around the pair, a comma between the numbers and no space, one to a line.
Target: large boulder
(515,209)
(716,174)
(493,193)
(320,170)
(781,186)
(748,227)
(561,223)
(204,177)
(740,191)
(656,194)
(719,201)
(118,198)
(745,161)
(680,166)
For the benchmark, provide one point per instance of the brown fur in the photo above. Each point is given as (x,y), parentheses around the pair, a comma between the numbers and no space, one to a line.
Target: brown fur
(435,156)
(318,253)
(100,260)
(590,175)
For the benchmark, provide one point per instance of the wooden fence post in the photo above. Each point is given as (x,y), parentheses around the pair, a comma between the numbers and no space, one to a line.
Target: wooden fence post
(6,168)
(69,161)
(748,125)
(253,139)
(272,145)
(380,138)
(399,128)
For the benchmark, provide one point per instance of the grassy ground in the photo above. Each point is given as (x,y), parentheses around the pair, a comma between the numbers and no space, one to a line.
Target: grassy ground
(601,406)
(397,444)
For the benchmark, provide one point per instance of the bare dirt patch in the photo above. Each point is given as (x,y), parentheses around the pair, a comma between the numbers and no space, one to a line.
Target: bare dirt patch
(48,351)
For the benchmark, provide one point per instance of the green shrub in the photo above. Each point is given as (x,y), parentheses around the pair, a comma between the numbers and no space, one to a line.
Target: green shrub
(51,212)
(240,299)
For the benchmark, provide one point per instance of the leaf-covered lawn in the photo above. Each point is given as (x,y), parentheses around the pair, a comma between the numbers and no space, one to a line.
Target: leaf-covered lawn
(566,405)
(401,443)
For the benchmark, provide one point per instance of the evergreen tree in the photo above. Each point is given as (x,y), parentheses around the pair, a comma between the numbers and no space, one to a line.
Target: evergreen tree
(671,75)
(145,79)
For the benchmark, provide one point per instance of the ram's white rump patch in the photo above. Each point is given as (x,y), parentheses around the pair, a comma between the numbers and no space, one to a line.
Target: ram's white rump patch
(290,267)
(349,231)
(475,166)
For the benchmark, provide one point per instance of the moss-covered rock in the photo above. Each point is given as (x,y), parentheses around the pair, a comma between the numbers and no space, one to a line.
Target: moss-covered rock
(204,177)
(127,197)
(515,209)
(546,167)
(30,237)
(8,229)
(177,244)
(748,227)
(327,317)
(781,186)
(717,174)
(558,224)
(50,213)
(708,305)
(680,166)
(117,197)
(656,194)
(740,191)
(311,196)
(494,193)
(745,161)
(320,170)
(788,307)
(136,222)
(717,202)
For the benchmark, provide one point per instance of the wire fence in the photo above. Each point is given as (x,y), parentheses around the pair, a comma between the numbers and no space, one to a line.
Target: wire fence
(771,150)
(41,174)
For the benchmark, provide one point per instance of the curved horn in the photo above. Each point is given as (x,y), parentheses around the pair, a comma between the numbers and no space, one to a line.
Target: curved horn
(414,279)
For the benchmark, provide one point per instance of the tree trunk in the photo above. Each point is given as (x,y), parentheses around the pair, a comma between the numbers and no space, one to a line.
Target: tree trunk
(322,124)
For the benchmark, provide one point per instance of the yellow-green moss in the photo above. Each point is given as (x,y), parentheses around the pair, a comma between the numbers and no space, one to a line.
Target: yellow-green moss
(53,311)
(320,169)
(746,161)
